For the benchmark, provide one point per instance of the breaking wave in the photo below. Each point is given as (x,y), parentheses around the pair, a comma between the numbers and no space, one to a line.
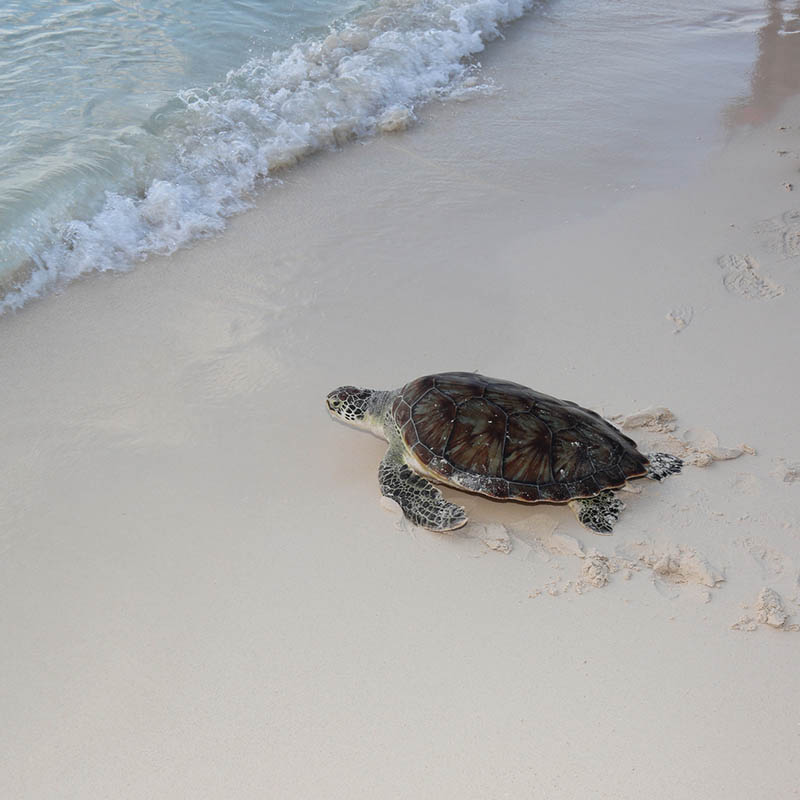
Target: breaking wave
(198,159)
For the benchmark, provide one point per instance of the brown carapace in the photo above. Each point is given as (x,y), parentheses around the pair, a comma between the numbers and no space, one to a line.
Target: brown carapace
(510,442)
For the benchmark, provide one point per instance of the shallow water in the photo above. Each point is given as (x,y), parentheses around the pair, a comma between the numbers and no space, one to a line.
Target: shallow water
(83,85)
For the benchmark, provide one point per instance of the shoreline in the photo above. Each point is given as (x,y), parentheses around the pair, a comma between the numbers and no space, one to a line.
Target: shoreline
(567,129)
(202,595)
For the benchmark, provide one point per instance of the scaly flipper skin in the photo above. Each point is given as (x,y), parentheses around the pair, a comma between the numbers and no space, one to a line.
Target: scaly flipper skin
(598,513)
(422,503)
(661,465)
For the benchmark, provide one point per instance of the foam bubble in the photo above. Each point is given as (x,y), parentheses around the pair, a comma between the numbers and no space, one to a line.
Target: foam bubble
(396,118)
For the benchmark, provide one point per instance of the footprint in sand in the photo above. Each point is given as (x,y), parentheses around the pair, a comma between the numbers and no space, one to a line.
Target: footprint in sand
(782,234)
(680,316)
(741,275)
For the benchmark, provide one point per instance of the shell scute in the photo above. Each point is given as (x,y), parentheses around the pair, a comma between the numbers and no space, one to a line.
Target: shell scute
(476,439)
(600,452)
(459,386)
(497,487)
(423,453)
(571,456)
(556,419)
(434,415)
(528,493)
(512,402)
(413,391)
(402,412)
(557,492)
(528,444)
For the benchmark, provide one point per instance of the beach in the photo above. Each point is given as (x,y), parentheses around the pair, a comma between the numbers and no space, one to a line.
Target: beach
(202,594)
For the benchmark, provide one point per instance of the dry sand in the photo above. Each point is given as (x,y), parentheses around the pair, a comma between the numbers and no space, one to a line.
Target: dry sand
(201,595)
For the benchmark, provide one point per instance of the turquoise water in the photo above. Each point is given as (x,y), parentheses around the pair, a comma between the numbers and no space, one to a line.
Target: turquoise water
(85,88)
(135,126)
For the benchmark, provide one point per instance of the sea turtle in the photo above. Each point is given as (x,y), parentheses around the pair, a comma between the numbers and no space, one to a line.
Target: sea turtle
(499,439)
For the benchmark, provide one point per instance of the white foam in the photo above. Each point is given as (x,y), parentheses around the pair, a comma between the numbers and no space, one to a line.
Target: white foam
(365,78)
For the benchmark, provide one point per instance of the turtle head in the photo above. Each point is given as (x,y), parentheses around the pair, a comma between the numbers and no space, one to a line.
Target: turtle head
(362,408)
(351,404)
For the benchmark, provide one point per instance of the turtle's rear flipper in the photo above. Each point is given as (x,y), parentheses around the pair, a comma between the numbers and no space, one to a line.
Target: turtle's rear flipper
(598,513)
(422,503)
(662,465)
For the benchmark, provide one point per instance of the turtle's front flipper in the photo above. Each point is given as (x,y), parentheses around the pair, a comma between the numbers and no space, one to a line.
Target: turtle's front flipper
(598,513)
(422,503)
(661,465)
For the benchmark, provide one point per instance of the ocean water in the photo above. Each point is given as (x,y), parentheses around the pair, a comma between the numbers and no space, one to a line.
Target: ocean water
(135,126)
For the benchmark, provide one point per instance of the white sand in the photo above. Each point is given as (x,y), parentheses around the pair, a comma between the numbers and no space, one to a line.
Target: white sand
(202,597)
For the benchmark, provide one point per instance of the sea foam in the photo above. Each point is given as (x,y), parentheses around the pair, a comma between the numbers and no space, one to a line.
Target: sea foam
(216,144)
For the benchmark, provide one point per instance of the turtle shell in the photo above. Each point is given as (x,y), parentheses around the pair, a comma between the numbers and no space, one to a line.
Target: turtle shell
(507,441)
